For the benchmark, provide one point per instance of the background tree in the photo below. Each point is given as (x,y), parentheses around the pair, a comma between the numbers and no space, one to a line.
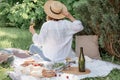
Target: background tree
(102,18)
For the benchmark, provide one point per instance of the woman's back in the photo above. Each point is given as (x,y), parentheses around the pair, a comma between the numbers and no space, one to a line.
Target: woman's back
(58,39)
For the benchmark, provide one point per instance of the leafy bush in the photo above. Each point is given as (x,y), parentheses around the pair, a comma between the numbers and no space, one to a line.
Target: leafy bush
(20,14)
(4,10)
(5,6)
(102,18)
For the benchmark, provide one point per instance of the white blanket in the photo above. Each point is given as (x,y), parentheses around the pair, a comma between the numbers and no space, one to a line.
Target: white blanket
(98,68)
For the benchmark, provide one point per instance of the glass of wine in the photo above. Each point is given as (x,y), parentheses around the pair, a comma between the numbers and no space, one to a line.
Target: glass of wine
(32,21)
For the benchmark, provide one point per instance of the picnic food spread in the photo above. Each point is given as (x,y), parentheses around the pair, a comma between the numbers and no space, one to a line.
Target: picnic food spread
(39,69)
(33,68)
(94,68)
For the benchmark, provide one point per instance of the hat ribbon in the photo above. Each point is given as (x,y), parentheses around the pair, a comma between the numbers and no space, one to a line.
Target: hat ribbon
(55,12)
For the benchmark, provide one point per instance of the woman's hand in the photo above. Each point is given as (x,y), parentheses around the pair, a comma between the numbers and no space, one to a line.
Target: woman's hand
(68,15)
(31,29)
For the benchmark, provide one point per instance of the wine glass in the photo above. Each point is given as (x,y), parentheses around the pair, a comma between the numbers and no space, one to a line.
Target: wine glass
(32,21)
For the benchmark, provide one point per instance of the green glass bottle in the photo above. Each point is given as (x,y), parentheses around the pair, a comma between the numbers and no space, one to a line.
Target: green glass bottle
(81,61)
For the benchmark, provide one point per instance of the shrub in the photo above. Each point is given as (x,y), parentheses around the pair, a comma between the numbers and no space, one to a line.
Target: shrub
(4,10)
(20,14)
(102,18)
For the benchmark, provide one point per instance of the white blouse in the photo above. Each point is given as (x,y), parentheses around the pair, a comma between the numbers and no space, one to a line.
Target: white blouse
(56,37)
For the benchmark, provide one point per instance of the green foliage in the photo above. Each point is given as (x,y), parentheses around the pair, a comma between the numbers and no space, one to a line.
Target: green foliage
(5,6)
(20,14)
(4,10)
(102,18)
(12,2)
(3,73)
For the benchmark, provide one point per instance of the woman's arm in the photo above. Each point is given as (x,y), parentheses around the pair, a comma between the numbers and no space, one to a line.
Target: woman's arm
(38,38)
(68,15)
(74,26)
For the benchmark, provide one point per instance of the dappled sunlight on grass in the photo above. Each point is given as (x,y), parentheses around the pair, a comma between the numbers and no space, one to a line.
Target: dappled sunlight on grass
(3,33)
(15,38)
(5,43)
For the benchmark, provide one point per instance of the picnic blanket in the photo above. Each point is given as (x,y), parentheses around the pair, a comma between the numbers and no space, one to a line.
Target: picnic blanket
(98,68)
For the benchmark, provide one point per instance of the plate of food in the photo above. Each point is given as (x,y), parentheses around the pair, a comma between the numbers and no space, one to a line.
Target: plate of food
(58,66)
(62,65)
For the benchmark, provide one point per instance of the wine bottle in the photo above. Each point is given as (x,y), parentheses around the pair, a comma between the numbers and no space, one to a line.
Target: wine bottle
(81,61)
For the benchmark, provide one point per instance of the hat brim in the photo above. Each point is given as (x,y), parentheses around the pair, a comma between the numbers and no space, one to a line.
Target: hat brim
(50,13)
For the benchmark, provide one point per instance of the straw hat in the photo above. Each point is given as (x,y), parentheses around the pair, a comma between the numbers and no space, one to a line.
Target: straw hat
(54,9)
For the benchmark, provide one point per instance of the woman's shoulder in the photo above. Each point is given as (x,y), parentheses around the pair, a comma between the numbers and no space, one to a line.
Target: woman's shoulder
(51,22)
(48,22)
(67,21)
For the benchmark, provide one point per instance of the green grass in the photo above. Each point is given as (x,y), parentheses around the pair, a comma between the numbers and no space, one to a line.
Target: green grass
(4,68)
(18,38)
(15,38)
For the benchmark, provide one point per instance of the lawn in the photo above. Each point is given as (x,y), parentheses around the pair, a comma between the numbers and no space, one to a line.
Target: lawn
(18,38)
(15,38)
